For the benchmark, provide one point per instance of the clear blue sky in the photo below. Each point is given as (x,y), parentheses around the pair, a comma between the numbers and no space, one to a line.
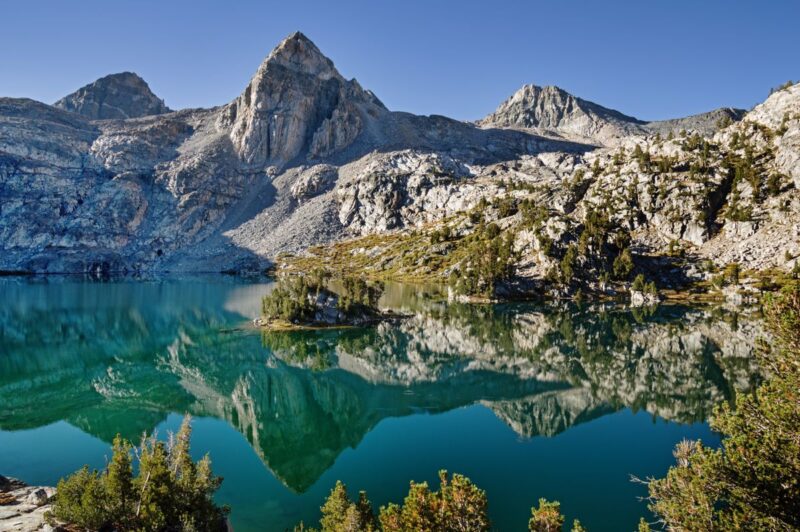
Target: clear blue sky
(652,59)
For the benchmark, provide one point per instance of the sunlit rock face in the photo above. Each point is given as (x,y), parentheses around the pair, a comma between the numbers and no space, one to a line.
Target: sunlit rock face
(553,109)
(109,180)
(297,103)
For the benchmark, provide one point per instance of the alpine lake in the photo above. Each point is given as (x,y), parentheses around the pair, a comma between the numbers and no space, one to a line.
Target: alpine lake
(562,401)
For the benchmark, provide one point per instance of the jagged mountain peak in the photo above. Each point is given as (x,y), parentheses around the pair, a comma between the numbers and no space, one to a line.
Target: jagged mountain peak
(116,96)
(299,53)
(297,104)
(552,108)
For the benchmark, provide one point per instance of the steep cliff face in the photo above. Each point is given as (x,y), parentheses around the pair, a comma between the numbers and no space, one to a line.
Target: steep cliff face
(117,96)
(297,103)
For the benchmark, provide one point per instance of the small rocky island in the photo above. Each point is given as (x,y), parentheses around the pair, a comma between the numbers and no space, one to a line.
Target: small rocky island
(312,301)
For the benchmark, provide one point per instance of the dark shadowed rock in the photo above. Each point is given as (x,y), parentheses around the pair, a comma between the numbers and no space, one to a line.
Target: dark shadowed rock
(119,96)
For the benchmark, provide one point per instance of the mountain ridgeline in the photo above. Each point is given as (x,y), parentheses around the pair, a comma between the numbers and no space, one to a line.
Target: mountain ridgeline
(109,180)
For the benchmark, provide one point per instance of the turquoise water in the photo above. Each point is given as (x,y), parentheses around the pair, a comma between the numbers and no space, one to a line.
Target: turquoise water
(527,400)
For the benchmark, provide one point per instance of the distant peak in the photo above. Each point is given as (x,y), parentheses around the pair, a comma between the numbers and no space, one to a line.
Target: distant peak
(116,96)
(552,108)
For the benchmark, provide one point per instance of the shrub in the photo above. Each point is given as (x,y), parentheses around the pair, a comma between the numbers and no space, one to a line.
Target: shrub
(548,518)
(359,296)
(489,261)
(731,272)
(170,491)
(623,264)
(567,264)
(506,206)
(753,481)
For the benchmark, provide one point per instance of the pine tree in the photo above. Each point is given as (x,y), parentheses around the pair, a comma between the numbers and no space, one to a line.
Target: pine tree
(335,509)
(753,481)
(546,518)
(119,483)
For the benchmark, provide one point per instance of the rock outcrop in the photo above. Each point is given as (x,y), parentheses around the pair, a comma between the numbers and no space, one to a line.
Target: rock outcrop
(552,109)
(23,507)
(117,96)
(297,103)
(306,157)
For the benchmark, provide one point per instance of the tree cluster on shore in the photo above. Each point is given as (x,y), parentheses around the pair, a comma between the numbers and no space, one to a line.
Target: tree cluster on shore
(170,492)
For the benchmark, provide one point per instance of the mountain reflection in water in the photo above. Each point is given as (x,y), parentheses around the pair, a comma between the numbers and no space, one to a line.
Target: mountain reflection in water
(119,357)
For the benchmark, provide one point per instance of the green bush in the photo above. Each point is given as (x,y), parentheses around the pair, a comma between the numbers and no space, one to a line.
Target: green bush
(489,261)
(638,283)
(623,265)
(567,264)
(359,296)
(170,491)
(292,299)
(753,481)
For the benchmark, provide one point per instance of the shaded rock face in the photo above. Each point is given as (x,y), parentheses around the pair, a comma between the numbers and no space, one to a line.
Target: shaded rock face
(296,103)
(117,96)
(704,123)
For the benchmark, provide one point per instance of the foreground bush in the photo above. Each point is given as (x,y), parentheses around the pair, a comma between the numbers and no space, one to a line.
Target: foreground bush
(753,481)
(458,506)
(170,493)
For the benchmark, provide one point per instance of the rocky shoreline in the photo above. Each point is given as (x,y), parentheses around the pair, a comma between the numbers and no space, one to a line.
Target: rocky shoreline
(23,508)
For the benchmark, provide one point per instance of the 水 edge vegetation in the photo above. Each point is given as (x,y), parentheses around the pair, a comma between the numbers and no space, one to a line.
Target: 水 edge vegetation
(752,482)
(169,492)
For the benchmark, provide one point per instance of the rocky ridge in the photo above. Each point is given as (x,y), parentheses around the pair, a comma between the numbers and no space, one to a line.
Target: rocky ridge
(117,96)
(553,111)
(677,208)
(305,157)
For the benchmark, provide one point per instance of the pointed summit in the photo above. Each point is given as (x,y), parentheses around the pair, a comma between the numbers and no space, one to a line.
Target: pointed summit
(551,108)
(119,96)
(298,53)
(297,104)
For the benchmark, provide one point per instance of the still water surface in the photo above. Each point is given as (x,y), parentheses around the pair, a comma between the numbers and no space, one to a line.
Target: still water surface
(527,400)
